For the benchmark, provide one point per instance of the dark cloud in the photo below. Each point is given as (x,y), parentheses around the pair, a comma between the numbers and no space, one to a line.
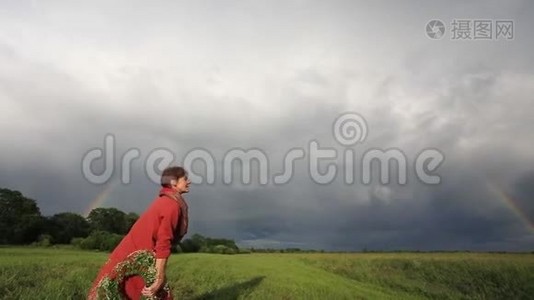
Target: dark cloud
(273,78)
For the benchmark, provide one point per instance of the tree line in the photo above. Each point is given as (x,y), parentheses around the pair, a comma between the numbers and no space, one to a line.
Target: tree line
(21,223)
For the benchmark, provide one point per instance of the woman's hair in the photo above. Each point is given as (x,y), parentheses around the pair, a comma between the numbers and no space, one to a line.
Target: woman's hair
(172,173)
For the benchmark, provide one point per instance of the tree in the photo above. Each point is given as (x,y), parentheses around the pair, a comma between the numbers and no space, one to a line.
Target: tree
(188,245)
(217,241)
(199,240)
(193,244)
(20,218)
(130,219)
(108,219)
(63,227)
(199,243)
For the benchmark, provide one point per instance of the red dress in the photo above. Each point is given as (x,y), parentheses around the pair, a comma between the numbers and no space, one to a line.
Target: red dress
(164,221)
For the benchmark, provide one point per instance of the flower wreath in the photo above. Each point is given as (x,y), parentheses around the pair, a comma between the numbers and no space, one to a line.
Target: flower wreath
(142,263)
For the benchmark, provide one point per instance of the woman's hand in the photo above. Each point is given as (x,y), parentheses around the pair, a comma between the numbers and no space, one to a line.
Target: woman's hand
(153,289)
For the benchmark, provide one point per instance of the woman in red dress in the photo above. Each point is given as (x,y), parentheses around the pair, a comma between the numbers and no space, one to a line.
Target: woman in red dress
(164,222)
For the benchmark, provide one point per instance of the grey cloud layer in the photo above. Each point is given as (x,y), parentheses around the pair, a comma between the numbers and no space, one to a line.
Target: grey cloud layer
(276,77)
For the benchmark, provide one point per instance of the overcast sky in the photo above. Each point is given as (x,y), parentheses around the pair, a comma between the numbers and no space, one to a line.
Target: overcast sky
(275,75)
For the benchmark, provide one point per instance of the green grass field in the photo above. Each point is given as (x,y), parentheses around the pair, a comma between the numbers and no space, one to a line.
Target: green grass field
(41,273)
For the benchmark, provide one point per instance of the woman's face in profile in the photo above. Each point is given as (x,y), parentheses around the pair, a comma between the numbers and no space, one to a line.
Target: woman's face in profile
(182,186)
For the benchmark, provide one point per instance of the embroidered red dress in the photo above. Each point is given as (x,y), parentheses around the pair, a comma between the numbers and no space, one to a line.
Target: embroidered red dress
(164,221)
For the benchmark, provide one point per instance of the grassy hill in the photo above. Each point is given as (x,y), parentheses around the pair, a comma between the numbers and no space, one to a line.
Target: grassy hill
(40,273)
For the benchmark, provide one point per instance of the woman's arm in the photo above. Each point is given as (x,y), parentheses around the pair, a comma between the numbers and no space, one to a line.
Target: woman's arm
(165,234)
(161,263)
(160,278)
(162,248)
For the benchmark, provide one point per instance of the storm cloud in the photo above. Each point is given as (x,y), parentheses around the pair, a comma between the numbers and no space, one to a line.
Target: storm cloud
(273,76)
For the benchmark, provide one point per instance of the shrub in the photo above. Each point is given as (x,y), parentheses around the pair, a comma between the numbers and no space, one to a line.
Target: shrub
(101,240)
(44,240)
(77,242)
(244,251)
(205,249)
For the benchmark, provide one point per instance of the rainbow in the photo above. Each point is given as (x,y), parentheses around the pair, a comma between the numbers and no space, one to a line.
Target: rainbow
(513,205)
(100,198)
